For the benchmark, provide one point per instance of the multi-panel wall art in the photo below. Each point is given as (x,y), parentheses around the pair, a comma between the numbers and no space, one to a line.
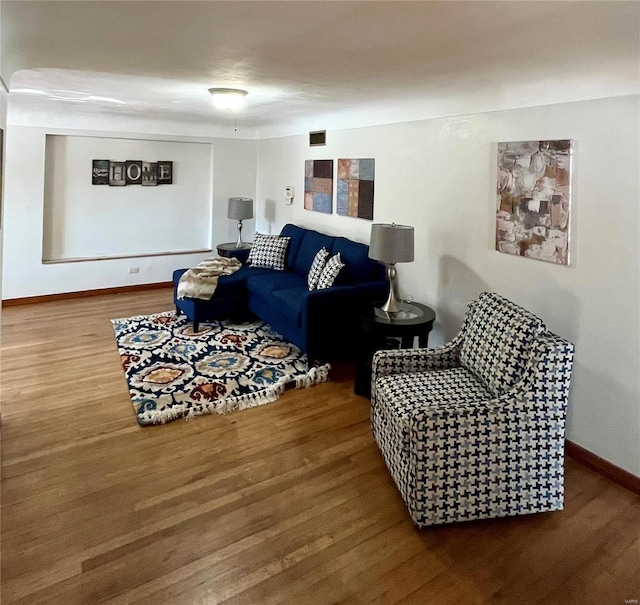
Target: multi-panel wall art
(354,196)
(534,199)
(318,185)
(355,188)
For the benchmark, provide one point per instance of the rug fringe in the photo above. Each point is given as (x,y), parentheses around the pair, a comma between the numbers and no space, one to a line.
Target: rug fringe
(314,375)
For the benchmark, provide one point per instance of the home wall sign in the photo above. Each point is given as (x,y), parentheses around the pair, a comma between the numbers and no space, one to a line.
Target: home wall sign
(131,172)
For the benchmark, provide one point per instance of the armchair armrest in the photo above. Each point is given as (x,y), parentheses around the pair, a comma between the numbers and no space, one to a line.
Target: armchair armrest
(406,361)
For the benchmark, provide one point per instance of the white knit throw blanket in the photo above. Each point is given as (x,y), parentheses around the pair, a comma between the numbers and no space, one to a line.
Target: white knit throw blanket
(201,281)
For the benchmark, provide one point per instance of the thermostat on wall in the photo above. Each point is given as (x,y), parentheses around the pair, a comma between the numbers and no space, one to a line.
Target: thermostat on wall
(289,194)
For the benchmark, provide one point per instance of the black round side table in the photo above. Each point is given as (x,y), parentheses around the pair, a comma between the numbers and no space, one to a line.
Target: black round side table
(230,250)
(379,330)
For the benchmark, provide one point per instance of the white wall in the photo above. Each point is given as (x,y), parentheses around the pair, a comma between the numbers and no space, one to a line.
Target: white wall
(439,175)
(3,125)
(234,174)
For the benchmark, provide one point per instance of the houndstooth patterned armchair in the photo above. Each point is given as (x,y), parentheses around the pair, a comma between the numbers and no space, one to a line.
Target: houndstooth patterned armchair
(475,429)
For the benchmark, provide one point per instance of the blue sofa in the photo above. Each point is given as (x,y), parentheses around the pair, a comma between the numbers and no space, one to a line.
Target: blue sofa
(322,323)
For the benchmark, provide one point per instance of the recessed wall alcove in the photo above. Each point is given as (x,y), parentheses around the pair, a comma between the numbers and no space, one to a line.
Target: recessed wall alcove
(82,221)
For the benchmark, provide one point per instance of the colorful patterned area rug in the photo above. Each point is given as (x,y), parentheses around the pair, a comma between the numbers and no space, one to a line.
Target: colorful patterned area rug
(173,372)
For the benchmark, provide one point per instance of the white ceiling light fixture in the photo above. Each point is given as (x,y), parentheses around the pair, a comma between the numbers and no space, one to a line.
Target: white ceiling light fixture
(228,99)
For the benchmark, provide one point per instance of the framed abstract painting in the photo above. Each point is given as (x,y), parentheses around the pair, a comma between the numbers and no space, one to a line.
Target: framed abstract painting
(533,199)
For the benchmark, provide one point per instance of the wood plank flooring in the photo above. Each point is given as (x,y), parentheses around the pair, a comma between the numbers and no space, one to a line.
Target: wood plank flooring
(288,503)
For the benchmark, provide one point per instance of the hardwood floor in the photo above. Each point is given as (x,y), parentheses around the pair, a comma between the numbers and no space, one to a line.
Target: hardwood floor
(288,503)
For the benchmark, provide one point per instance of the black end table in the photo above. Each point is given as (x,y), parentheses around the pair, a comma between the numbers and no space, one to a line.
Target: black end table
(230,250)
(379,330)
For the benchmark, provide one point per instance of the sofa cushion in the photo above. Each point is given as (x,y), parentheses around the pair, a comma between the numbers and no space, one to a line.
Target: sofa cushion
(311,243)
(317,266)
(268,252)
(330,272)
(235,284)
(264,284)
(293,301)
(359,267)
(296,234)
(498,339)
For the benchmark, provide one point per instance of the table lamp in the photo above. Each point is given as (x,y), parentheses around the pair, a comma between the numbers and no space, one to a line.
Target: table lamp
(240,209)
(391,244)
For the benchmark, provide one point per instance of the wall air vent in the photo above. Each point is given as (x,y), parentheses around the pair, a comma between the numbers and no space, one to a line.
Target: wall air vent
(317,138)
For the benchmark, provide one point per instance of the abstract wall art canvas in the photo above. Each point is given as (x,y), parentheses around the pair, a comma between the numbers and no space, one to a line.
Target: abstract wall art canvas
(355,187)
(318,185)
(533,207)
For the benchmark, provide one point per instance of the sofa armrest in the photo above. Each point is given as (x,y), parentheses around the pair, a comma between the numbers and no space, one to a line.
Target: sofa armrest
(332,314)
(355,294)
(177,274)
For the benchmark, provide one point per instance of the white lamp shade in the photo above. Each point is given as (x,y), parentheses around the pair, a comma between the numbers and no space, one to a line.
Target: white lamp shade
(391,243)
(240,208)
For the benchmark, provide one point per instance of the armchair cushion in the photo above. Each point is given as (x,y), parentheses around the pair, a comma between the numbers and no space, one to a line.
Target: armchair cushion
(406,393)
(498,338)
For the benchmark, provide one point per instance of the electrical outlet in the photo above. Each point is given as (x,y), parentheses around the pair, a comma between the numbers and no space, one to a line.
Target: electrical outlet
(134,269)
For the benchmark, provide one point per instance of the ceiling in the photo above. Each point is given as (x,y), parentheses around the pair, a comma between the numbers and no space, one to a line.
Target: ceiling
(313,65)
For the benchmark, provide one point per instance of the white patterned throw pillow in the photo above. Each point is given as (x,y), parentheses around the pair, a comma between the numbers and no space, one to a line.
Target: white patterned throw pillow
(268,252)
(330,272)
(315,271)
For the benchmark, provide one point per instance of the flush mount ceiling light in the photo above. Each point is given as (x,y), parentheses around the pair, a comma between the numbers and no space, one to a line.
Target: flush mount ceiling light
(228,98)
